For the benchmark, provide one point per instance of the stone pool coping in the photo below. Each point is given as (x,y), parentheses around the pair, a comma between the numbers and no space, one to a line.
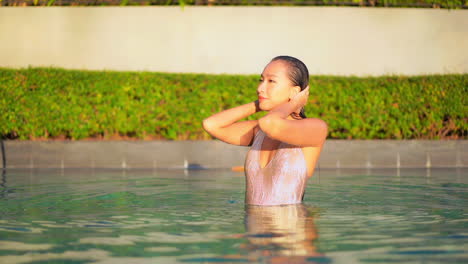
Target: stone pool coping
(216,154)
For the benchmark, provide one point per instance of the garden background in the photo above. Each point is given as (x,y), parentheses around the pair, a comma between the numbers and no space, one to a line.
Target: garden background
(154,72)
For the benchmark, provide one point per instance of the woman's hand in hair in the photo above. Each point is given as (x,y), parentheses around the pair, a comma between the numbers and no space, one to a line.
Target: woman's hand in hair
(301,98)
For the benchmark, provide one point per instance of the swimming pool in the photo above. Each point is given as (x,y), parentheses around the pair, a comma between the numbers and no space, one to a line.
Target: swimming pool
(199,216)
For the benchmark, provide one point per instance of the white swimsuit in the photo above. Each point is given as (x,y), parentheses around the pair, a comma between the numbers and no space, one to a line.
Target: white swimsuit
(281,181)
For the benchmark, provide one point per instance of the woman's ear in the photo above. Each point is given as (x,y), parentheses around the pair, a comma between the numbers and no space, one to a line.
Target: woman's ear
(294,91)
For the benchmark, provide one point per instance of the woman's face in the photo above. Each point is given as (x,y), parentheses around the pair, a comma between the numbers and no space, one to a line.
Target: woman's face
(275,87)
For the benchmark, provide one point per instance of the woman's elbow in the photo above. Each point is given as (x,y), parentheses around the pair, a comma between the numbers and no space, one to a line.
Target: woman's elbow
(207,125)
(323,128)
(316,135)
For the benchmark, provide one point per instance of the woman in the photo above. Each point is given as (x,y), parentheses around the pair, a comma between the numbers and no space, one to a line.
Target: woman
(285,144)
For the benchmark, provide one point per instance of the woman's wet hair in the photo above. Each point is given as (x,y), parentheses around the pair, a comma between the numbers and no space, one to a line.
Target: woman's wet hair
(297,72)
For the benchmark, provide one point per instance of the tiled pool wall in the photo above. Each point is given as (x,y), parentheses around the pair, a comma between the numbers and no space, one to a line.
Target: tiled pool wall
(216,154)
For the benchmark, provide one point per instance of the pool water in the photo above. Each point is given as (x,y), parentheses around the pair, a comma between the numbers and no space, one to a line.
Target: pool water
(199,216)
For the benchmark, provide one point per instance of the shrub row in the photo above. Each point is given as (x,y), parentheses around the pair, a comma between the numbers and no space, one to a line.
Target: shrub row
(45,103)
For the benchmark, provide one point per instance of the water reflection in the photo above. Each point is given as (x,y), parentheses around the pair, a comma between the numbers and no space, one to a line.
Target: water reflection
(3,184)
(141,217)
(281,234)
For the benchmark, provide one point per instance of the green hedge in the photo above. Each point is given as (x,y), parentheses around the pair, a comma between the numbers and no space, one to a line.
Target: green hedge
(56,103)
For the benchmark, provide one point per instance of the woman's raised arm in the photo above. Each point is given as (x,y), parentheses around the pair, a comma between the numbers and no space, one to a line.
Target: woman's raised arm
(308,132)
(225,126)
